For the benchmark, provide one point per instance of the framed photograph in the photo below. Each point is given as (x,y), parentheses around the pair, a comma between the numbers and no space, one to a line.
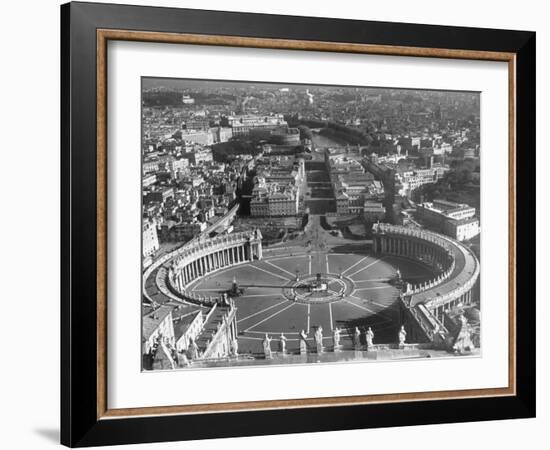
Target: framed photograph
(277,224)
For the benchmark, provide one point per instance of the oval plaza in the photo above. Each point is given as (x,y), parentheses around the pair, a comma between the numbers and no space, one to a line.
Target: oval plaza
(221,298)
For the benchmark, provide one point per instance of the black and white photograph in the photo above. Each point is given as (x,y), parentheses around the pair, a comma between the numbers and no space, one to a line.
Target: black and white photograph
(304,224)
(275,225)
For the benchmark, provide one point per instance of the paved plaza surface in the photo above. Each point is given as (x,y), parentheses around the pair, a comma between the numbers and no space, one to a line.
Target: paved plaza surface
(361,293)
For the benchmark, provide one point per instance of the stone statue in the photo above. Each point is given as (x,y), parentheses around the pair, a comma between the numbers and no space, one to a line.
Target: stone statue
(171,273)
(463,341)
(193,350)
(319,339)
(357,338)
(369,336)
(402,335)
(267,347)
(235,347)
(258,234)
(282,343)
(303,342)
(183,361)
(336,338)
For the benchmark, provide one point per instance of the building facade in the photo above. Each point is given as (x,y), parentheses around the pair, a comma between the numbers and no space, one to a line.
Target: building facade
(456,220)
(187,327)
(149,239)
(241,125)
(157,325)
(203,137)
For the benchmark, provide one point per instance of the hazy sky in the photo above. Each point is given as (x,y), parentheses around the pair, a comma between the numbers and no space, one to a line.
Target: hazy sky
(175,83)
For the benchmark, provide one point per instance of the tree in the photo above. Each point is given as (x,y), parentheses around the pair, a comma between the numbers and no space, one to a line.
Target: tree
(305,132)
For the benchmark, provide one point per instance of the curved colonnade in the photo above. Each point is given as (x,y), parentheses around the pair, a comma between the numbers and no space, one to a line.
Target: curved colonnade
(175,271)
(167,279)
(208,256)
(456,266)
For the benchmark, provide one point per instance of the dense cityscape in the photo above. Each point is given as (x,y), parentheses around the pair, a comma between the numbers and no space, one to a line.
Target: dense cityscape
(342,223)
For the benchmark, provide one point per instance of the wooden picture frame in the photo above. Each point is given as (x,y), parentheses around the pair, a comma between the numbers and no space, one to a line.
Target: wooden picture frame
(85,417)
